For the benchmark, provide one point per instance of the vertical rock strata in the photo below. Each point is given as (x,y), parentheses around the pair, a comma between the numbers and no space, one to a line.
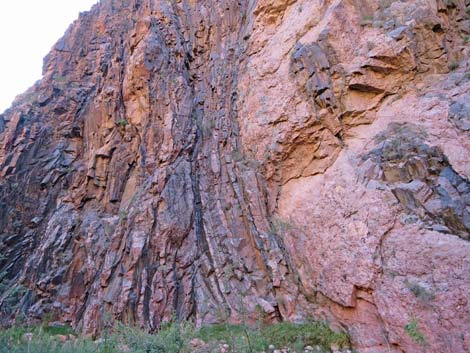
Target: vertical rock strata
(226,160)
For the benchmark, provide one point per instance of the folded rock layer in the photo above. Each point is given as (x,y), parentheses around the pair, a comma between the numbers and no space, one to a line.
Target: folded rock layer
(237,160)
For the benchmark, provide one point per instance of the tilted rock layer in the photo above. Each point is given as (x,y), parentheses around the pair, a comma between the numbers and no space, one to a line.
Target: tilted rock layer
(226,160)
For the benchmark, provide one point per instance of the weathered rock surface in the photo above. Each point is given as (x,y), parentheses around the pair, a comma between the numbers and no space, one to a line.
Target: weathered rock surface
(220,159)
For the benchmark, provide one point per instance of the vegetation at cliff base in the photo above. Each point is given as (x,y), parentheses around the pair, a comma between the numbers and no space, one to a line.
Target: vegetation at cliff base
(176,338)
(412,329)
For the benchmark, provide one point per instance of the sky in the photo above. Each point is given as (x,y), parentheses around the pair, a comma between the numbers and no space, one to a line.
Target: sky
(28,30)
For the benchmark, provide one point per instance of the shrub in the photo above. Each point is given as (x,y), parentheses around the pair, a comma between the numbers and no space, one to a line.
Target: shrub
(366,20)
(122,122)
(172,337)
(175,337)
(59,78)
(412,329)
(36,340)
(242,338)
(239,337)
(420,292)
(279,226)
(314,333)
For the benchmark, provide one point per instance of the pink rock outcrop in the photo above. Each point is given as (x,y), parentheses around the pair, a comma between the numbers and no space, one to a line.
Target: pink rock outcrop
(217,159)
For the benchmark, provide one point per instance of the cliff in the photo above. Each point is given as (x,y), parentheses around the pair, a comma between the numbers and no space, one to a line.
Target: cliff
(217,159)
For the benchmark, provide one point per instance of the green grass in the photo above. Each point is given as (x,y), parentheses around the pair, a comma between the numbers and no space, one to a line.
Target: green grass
(238,337)
(174,338)
(58,330)
(283,335)
(287,334)
(15,340)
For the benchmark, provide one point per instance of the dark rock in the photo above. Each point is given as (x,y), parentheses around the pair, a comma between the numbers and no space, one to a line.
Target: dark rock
(459,112)
(410,166)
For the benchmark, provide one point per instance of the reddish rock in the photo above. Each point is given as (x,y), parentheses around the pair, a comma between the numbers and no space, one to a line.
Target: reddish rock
(213,159)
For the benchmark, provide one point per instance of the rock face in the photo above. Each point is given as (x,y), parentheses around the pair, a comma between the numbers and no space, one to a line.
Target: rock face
(222,160)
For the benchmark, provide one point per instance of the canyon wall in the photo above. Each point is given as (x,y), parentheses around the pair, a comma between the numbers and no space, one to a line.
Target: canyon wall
(230,160)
